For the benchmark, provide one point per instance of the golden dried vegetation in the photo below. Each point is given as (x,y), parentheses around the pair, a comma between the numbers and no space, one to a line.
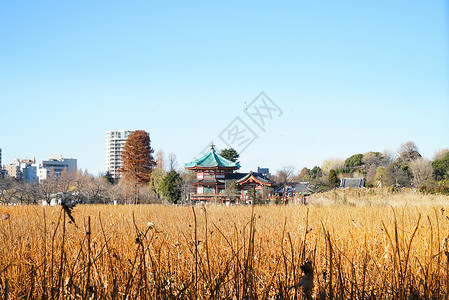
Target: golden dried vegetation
(216,252)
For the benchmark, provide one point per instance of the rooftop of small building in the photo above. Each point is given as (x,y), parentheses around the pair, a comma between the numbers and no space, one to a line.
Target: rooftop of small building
(352,182)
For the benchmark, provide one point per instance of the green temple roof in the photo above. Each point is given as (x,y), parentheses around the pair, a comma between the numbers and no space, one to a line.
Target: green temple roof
(212,160)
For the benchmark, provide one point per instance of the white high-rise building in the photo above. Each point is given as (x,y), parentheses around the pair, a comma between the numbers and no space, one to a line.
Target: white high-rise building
(115,142)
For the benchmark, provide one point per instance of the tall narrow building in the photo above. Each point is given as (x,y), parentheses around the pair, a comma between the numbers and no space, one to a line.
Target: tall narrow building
(115,142)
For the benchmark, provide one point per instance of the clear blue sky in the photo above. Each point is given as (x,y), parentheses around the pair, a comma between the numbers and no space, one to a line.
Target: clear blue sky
(349,76)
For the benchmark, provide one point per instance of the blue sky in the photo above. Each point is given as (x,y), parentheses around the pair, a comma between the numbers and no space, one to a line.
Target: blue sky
(349,77)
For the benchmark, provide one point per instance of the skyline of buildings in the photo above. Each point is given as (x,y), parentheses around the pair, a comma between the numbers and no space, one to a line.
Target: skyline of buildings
(29,171)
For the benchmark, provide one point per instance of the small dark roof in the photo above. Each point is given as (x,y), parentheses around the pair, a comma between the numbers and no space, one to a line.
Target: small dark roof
(236,176)
(240,177)
(301,187)
(258,176)
(352,182)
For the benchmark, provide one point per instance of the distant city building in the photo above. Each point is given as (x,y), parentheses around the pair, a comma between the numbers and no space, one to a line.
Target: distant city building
(41,173)
(263,171)
(55,164)
(29,173)
(0,158)
(115,142)
(22,169)
(13,169)
(28,169)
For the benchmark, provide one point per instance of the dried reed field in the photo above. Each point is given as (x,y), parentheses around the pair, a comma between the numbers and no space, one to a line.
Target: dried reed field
(218,252)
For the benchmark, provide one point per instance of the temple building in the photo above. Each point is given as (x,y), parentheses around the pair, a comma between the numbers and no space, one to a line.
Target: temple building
(216,181)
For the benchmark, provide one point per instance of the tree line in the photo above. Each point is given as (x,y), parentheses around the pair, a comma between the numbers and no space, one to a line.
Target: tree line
(405,168)
(148,178)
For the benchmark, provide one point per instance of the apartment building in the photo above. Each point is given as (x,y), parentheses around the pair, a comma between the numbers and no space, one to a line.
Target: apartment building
(114,143)
(13,169)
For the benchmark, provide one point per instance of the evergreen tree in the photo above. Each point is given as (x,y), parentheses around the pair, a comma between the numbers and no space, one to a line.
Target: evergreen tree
(441,167)
(137,158)
(108,177)
(333,178)
(230,154)
(316,172)
(354,161)
(172,186)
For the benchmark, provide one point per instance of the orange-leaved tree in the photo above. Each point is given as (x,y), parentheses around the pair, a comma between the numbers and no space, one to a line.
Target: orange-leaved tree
(137,158)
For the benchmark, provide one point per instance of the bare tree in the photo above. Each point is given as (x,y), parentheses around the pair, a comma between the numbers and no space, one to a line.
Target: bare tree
(289,172)
(372,158)
(332,164)
(22,192)
(186,188)
(159,158)
(286,174)
(48,188)
(95,188)
(232,189)
(157,176)
(371,173)
(407,152)
(387,158)
(147,194)
(3,188)
(65,180)
(421,169)
(280,176)
(116,192)
(8,190)
(408,147)
(172,163)
(440,154)
(78,181)
(33,193)
(379,159)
